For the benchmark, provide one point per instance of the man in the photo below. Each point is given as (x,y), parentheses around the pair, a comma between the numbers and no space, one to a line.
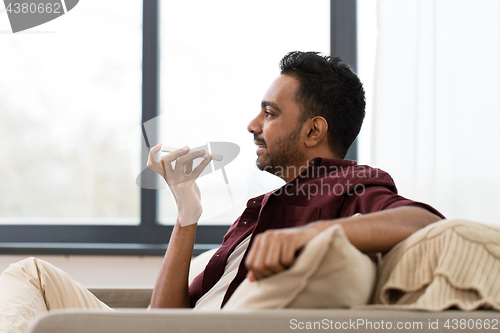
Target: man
(309,117)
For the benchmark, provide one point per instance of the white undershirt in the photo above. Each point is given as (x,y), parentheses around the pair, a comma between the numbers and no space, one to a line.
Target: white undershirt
(212,300)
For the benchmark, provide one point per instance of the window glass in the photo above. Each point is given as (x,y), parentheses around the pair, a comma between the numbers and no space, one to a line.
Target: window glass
(217,60)
(70,95)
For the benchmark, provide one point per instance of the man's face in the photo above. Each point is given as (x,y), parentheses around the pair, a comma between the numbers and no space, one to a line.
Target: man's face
(276,129)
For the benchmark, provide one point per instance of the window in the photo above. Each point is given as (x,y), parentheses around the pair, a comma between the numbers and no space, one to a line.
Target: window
(214,70)
(205,68)
(68,101)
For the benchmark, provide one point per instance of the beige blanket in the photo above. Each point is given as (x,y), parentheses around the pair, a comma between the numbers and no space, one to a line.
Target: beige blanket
(452,263)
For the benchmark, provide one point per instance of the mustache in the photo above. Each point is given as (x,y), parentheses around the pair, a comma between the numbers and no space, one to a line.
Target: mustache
(259,141)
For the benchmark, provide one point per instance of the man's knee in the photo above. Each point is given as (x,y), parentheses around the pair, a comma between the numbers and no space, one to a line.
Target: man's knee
(20,295)
(26,262)
(26,265)
(30,269)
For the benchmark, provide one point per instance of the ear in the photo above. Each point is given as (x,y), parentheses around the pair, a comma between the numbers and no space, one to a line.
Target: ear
(317,128)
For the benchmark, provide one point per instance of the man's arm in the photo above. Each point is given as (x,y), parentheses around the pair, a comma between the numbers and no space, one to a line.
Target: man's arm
(171,288)
(274,250)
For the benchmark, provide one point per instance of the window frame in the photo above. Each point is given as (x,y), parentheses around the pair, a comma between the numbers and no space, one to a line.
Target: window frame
(150,237)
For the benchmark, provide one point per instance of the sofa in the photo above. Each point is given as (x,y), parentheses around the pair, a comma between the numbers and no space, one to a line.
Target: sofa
(272,321)
(442,278)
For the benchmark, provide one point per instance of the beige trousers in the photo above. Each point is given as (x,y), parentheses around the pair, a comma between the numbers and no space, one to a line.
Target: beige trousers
(33,286)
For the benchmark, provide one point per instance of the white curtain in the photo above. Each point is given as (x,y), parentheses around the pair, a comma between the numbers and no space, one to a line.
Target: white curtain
(436,118)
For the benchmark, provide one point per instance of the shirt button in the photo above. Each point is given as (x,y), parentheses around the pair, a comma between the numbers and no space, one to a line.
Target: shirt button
(244,222)
(254,201)
(216,255)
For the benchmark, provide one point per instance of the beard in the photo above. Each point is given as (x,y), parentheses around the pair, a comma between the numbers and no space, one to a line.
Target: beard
(285,155)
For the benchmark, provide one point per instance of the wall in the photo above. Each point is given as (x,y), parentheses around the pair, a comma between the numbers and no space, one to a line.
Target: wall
(101,271)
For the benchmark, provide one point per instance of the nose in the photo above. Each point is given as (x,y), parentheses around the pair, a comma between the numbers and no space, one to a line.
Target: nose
(255,126)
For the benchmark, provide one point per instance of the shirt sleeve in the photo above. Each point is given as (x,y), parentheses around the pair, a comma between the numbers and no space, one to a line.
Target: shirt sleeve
(378,198)
(195,292)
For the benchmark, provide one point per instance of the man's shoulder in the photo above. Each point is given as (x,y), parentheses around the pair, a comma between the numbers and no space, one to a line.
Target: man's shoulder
(335,171)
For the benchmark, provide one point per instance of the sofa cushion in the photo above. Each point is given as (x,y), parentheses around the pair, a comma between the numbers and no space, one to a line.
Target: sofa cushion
(329,273)
(199,263)
(451,263)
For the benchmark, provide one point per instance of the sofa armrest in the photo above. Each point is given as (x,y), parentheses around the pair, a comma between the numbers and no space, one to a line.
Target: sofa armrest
(250,321)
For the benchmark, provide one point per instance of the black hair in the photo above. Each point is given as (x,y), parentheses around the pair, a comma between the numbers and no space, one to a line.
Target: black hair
(328,88)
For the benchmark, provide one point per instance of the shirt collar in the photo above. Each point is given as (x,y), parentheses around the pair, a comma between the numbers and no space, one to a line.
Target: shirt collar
(328,162)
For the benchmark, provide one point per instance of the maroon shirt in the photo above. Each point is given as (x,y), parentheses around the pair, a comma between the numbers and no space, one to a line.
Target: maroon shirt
(328,189)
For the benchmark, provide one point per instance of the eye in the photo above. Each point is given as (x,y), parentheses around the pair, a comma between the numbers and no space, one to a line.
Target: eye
(268,113)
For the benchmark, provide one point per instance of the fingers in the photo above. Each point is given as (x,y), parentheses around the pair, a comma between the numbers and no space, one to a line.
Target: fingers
(266,255)
(188,167)
(152,164)
(164,166)
(185,163)
(183,171)
(173,156)
(188,158)
(256,261)
(272,259)
(199,169)
(166,161)
(274,250)
(288,251)
(251,277)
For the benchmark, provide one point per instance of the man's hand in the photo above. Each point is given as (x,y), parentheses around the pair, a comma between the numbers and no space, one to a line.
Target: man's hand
(274,250)
(181,180)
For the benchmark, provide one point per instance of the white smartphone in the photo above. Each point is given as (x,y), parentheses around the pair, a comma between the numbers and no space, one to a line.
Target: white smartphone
(170,149)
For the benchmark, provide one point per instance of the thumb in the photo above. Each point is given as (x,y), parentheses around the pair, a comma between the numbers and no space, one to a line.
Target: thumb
(157,147)
(251,277)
